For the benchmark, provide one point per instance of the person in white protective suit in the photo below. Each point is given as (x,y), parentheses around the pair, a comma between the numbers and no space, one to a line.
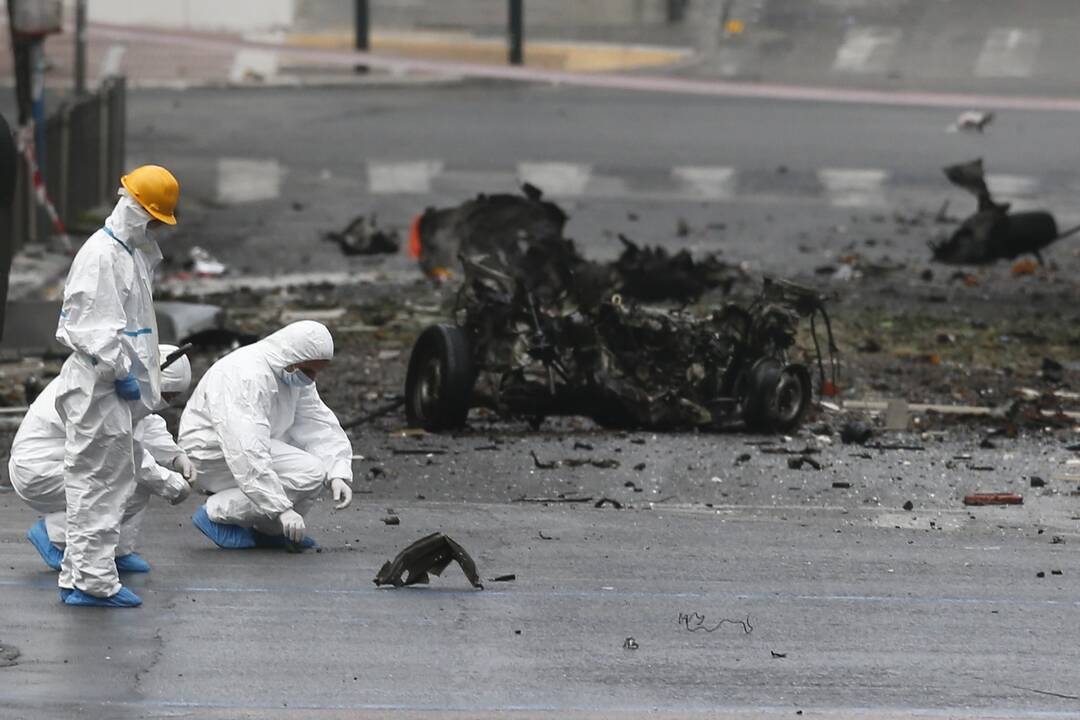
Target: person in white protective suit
(263,441)
(107,319)
(36,469)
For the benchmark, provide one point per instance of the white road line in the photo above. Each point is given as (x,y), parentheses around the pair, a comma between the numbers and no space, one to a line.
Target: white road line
(851,187)
(388,178)
(1008,52)
(114,58)
(241,180)
(557,179)
(1012,186)
(710,183)
(253,65)
(867,50)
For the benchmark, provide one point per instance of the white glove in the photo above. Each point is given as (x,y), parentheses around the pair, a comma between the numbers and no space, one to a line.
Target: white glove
(292,525)
(183,465)
(341,491)
(182,495)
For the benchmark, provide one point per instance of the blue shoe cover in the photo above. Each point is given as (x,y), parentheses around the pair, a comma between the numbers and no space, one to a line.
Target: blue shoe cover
(39,538)
(124,598)
(262,540)
(132,562)
(64,592)
(229,537)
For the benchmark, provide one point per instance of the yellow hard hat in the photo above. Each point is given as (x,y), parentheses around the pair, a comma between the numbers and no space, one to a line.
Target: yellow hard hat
(155,189)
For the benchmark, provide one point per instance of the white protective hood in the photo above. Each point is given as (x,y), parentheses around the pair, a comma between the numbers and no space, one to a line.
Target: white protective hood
(298,342)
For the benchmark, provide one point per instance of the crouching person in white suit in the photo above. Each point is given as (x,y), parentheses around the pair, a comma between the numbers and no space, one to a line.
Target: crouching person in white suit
(36,469)
(264,442)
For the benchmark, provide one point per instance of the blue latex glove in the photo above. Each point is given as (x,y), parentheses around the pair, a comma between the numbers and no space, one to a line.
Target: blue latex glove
(128,388)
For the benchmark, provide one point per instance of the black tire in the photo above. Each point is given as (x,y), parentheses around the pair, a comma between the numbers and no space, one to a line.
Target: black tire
(777,397)
(439,383)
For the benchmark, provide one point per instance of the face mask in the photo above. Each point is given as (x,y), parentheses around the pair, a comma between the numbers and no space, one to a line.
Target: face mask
(296,378)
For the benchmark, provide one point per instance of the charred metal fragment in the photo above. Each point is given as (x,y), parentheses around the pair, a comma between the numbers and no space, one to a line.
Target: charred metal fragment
(993,233)
(430,554)
(363,236)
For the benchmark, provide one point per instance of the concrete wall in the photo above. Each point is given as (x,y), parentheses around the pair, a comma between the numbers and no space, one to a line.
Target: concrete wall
(234,15)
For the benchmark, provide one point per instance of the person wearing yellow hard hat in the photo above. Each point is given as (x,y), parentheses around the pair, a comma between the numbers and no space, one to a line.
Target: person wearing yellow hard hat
(111,377)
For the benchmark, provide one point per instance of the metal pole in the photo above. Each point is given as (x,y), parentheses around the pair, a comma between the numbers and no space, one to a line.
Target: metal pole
(80,47)
(517,31)
(362,30)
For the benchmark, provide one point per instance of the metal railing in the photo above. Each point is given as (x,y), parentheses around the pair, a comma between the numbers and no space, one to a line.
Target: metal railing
(84,159)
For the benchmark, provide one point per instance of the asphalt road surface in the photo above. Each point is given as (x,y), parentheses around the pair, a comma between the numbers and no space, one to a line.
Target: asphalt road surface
(858,608)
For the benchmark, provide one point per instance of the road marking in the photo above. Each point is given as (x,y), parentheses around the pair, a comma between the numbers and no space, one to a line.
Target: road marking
(388,178)
(558,179)
(1012,186)
(710,183)
(867,50)
(241,180)
(851,187)
(251,65)
(114,58)
(1008,53)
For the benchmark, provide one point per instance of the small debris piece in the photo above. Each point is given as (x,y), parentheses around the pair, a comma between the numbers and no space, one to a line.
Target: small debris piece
(1057,540)
(695,621)
(543,465)
(543,536)
(608,501)
(993,499)
(630,644)
(9,655)
(745,457)
(391,520)
(856,432)
(430,554)
(362,236)
(578,445)
(987,444)
(631,484)
(777,655)
(559,499)
(203,264)
(842,484)
(1055,572)
(639,467)
(1040,574)
(909,506)
(1024,267)
(503,578)
(798,461)
(1037,481)
(600,464)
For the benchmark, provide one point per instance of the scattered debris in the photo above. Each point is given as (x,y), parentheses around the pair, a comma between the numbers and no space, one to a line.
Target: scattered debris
(558,499)
(909,506)
(856,432)
(778,655)
(503,578)
(696,621)
(391,520)
(202,264)
(363,236)
(971,121)
(430,554)
(630,644)
(841,484)
(992,233)
(993,499)
(542,536)
(608,501)
(796,463)
(9,655)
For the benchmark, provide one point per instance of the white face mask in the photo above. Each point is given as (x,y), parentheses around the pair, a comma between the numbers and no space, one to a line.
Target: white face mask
(296,378)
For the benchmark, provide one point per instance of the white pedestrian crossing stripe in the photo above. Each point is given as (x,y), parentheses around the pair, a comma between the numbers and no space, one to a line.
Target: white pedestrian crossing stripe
(867,50)
(709,183)
(558,179)
(1007,187)
(241,180)
(387,178)
(852,187)
(1009,53)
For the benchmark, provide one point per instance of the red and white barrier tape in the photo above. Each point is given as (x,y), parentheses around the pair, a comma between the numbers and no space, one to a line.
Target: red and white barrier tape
(25,140)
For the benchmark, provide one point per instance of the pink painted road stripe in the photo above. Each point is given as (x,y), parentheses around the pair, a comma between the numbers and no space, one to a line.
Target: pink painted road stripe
(641,83)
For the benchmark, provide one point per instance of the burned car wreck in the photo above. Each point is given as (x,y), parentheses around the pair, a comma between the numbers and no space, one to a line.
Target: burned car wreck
(549,342)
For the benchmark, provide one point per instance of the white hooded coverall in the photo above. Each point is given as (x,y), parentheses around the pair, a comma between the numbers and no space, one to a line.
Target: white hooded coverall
(260,445)
(108,321)
(36,466)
